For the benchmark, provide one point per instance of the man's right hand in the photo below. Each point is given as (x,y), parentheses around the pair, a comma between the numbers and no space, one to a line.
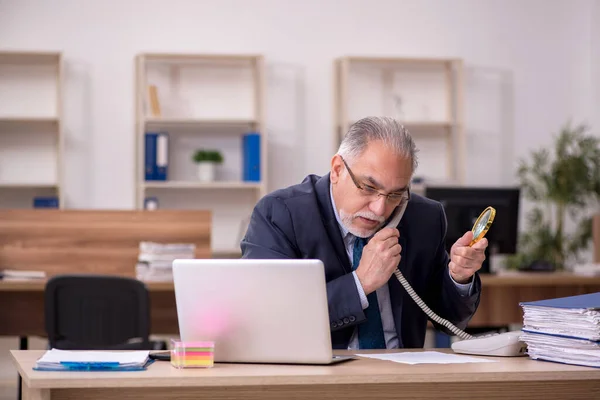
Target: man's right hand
(379,260)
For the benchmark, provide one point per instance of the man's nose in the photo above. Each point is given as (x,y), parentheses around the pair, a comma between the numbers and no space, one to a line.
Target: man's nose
(378,206)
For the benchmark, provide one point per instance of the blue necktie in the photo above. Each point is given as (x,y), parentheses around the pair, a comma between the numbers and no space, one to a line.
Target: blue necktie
(370,332)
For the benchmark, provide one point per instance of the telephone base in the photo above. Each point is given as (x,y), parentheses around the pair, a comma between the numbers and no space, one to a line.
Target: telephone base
(502,345)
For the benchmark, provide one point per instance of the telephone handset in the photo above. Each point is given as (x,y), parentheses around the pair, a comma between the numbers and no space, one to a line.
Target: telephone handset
(506,344)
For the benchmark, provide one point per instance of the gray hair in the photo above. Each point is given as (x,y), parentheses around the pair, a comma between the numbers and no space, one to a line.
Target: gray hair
(391,132)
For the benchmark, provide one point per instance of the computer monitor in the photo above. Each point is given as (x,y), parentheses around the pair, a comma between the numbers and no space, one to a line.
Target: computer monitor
(464,204)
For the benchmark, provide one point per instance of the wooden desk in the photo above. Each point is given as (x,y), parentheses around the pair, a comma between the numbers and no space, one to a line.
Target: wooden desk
(499,301)
(501,294)
(22,311)
(508,378)
(94,241)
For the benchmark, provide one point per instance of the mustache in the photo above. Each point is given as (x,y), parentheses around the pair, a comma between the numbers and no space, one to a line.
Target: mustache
(369,215)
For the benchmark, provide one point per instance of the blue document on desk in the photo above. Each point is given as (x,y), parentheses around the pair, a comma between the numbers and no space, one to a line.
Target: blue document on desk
(66,360)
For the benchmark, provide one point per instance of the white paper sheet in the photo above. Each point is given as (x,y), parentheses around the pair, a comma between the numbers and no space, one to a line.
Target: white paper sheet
(56,356)
(426,357)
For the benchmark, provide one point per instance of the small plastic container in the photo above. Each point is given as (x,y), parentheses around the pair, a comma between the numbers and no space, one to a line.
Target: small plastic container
(192,354)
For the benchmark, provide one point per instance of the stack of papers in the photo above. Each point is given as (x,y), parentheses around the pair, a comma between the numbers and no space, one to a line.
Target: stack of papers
(155,260)
(17,275)
(63,360)
(565,330)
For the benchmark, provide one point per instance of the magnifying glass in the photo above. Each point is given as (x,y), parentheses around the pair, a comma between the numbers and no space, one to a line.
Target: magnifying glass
(483,224)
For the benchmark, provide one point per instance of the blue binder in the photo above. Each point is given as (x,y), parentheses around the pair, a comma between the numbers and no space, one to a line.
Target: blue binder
(45,202)
(156,156)
(150,156)
(590,301)
(251,157)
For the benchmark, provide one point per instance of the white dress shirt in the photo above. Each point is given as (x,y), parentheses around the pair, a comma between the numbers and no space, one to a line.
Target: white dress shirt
(383,293)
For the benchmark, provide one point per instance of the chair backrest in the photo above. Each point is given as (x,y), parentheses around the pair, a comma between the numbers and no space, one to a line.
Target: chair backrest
(87,312)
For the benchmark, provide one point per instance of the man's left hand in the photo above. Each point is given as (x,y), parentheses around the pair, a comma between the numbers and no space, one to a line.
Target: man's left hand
(465,260)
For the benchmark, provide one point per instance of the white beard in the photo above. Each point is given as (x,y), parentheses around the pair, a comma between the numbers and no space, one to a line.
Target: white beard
(360,232)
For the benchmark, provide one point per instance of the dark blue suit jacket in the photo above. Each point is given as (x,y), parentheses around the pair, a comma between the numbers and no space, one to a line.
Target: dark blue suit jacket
(299,222)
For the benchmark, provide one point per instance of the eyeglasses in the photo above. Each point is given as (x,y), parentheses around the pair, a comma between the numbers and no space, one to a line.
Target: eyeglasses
(369,191)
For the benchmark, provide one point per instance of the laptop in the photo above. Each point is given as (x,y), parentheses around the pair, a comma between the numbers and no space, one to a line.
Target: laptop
(256,311)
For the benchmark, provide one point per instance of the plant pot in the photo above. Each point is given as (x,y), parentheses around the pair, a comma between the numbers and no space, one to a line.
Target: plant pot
(539,266)
(206,171)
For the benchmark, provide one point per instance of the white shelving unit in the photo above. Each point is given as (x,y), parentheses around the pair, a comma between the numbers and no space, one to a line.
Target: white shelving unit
(31,137)
(201,185)
(206,101)
(426,95)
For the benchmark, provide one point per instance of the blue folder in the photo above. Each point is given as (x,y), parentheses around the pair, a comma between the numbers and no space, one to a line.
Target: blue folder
(590,301)
(92,367)
(251,157)
(65,360)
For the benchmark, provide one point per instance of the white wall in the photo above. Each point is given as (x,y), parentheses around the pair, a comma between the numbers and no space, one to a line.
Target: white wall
(596,63)
(533,55)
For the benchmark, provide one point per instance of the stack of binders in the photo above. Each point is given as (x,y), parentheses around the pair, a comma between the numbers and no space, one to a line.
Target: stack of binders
(565,330)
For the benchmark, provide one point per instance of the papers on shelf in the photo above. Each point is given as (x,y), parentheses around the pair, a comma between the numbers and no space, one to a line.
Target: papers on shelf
(155,260)
(426,357)
(64,360)
(14,275)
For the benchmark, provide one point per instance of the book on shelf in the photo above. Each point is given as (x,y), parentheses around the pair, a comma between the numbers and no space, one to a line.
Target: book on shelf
(565,330)
(153,101)
(156,156)
(251,157)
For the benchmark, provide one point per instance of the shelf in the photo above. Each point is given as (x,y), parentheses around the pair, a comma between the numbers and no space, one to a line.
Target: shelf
(191,122)
(201,185)
(399,60)
(428,124)
(33,185)
(27,121)
(31,131)
(205,101)
(429,91)
(182,58)
(423,124)
(24,57)
(227,253)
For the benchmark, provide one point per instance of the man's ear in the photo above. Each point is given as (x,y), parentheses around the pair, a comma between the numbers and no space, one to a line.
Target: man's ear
(336,168)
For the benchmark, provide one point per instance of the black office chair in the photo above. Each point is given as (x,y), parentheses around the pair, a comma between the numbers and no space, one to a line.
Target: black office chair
(98,312)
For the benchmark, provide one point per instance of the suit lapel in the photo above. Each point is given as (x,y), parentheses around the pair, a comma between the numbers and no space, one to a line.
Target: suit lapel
(331,224)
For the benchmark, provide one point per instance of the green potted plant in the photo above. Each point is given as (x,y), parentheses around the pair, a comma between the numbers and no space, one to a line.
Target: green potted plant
(207,160)
(562,183)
